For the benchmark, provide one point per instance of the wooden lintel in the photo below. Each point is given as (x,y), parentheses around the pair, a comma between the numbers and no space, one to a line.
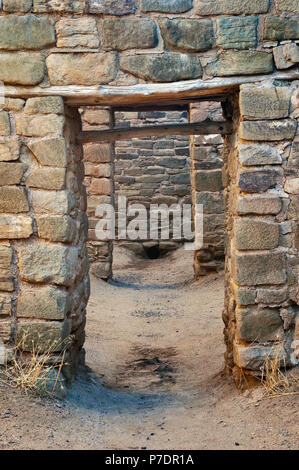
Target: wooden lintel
(195,128)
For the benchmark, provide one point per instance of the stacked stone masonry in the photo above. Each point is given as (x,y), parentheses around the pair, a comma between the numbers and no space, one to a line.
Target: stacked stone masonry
(53,54)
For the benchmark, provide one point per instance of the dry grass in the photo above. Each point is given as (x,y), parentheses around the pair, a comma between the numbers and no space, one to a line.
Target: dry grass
(276,380)
(40,372)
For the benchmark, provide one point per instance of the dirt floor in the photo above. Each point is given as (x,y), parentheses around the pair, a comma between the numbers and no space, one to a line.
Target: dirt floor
(155,352)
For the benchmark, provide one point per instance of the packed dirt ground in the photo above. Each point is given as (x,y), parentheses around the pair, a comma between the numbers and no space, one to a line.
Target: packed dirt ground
(155,379)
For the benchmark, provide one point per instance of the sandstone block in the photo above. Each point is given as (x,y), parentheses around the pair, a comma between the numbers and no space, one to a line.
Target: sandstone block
(254,357)
(5,306)
(74,69)
(259,325)
(241,63)
(112,7)
(25,32)
(11,173)
(253,234)
(287,5)
(166,6)
(5,257)
(56,229)
(22,68)
(98,153)
(254,181)
(292,185)
(12,226)
(166,67)
(50,202)
(231,7)
(17,5)
(57,264)
(129,33)
(100,186)
(39,126)
(70,6)
(280,29)
(46,178)
(265,103)
(9,151)
(237,33)
(96,116)
(77,32)
(4,123)
(42,336)
(49,152)
(262,154)
(43,302)
(44,105)
(293,209)
(268,130)
(249,269)
(293,161)
(209,180)
(13,199)
(187,34)
(259,204)
(13,104)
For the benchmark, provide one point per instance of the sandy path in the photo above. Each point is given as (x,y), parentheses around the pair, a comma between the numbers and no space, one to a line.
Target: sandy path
(155,346)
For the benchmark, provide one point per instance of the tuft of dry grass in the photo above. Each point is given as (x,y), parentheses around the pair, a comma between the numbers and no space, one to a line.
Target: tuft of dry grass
(40,372)
(277,381)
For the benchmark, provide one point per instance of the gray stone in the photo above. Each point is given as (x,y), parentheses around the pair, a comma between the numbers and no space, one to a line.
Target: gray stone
(260,154)
(15,227)
(268,130)
(9,151)
(293,161)
(49,152)
(22,68)
(287,5)
(44,105)
(11,173)
(52,202)
(13,199)
(237,33)
(74,69)
(253,234)
(166,6)
(187,34)
(231,7)
(112,7)
(166,67)
(209,180)
(25,32)
(259,204)
(43,302)
(259,325)
(129,33)
(271,296)
(17,5)
(244,295)
(56,229)
(212,202)
(280,29)
(254,357)
(265,103)
(241,63)
(51,383)
(250,269)
(254,181)
(42,336)
(49,263)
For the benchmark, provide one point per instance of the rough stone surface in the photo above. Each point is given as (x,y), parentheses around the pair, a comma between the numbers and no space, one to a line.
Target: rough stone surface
(280,29)
(115,7)
(251,234)
(231,7)
(254,357)
(48,263)
(39,126)
(77,32)
(259,268)
(42,336)
(47,178)
(187,34)
(25,32)
(5,306)
(129,33)
(293,161)
(166,6)
(44,105)
(268,130)
(237,33)
(259,325)
(259,204)
(265,103)
(9,151)
(52,202)
(254,181)
(12,226)
(293,209)
(22,68)
(13,199)
(254,155)
(49,152)
(48,303)
(166,67)
(11,173)
(74,69)
(56,229)
(4,123)
(241,63)
(209,180)
(17,5)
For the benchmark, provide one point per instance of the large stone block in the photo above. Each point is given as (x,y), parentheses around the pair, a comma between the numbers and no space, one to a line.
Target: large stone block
(56,229)
(5,256)
(17,5)
(77,32)
(254,181)
(231,7)
(42,336)
(261,204)
(187,34)
(208,180)
(4,123)
(44,105)
(46,178)
(57,264)
(52,202)
(101,186)
(253,234)
(237,33)
(241,63)
(280,29)
(287,5)
(129,33)
(25,32)
(265,103)
(74,69)
(43,302)
(293,161)
(22,68)
(250,269)
(5,306)
(166,67)
(49,152)
(12,226)
(268,130)
(39,126)
(212,202)
(293,209)
(11,173)
(64,6)
(254,357)
(98,153)
(166,6)
(259,325)
(9,151)
(13,199)
(112,7)
(260,154)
